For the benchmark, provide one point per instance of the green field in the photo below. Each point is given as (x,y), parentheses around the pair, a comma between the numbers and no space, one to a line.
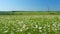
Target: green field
(29,24)
(29,13)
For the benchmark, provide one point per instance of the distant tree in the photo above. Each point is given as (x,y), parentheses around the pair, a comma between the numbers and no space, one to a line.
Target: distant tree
(13,11)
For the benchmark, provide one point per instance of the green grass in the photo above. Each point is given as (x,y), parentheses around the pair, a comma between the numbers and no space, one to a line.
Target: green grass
(29,24)
(30,13)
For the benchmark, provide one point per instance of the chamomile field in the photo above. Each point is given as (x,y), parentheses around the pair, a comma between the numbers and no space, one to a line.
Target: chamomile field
(29,24)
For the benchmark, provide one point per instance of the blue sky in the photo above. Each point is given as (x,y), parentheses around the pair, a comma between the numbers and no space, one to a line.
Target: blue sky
(29,5)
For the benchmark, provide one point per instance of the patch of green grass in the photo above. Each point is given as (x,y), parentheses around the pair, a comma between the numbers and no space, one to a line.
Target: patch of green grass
(29,24)
(30,13)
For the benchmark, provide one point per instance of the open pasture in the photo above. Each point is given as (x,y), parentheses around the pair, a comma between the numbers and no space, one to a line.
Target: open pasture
(29,24)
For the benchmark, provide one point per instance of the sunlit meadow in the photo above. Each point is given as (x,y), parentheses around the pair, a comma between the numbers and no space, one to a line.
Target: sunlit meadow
(29,24)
